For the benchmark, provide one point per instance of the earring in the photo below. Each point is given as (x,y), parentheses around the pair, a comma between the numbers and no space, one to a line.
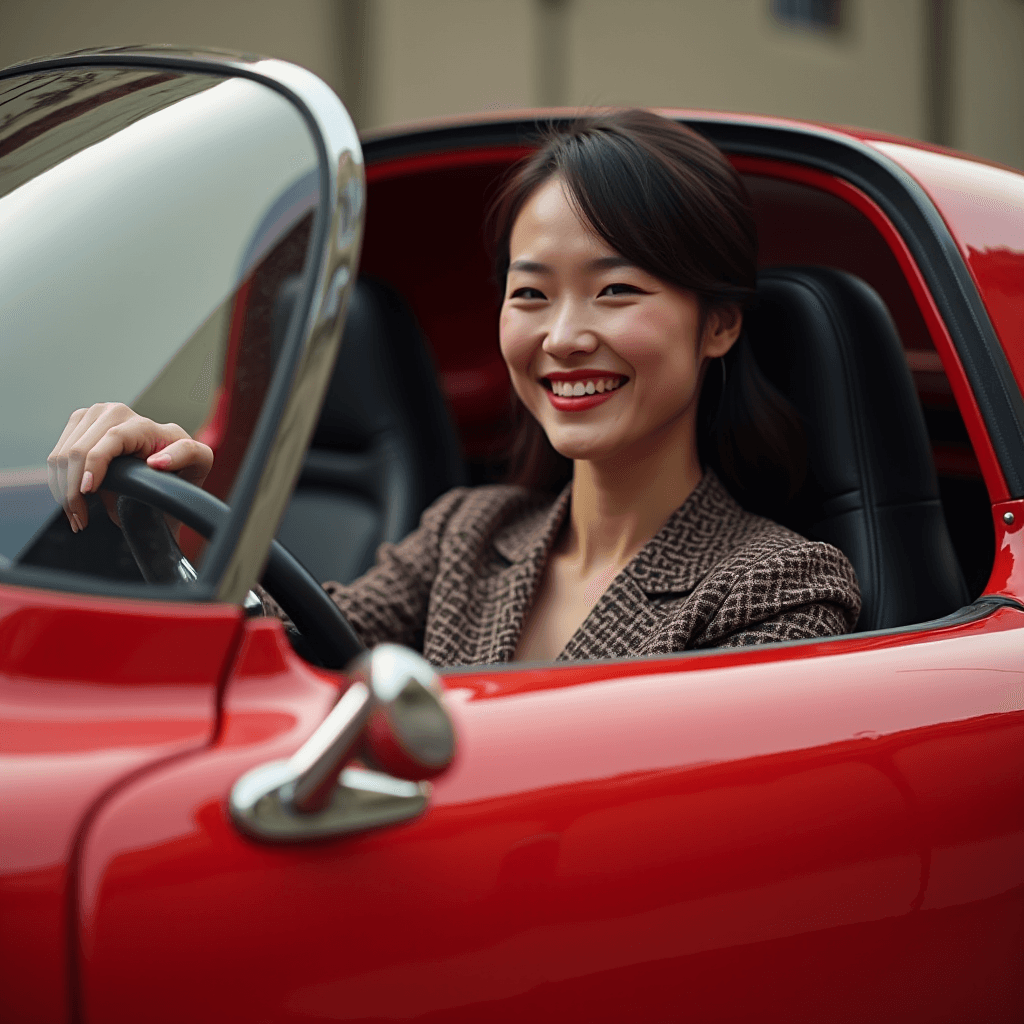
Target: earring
(725,377)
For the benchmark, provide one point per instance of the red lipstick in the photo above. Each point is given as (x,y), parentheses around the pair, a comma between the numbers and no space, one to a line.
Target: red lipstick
(580,404)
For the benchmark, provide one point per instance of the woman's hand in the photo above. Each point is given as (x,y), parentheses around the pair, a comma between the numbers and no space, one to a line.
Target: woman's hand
(94,436)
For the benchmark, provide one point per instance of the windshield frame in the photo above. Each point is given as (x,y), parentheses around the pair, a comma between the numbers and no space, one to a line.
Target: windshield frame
(237,553)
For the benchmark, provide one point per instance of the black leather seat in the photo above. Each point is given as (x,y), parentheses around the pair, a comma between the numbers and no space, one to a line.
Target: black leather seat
(826,340)
(384,447)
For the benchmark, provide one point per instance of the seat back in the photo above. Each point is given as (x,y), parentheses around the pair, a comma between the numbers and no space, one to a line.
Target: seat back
(826,340)
(384,447)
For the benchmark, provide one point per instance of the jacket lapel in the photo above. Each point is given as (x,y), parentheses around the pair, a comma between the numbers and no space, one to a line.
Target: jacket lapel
(619,623)
(525,545)
(693,540)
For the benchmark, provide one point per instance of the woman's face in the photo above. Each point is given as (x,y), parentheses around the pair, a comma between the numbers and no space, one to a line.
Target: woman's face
(606,356)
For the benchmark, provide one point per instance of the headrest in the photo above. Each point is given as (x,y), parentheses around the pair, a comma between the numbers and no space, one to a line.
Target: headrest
(826,340)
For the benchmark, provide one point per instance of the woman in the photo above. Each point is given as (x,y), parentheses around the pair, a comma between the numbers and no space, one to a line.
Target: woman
(627,250)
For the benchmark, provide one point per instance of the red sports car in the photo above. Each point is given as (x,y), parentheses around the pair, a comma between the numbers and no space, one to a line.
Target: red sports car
(207,816)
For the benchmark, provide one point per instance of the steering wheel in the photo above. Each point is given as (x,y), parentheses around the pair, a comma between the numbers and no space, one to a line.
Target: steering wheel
(321,623)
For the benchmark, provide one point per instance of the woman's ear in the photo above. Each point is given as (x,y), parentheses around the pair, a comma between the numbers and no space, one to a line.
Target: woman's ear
(722,328)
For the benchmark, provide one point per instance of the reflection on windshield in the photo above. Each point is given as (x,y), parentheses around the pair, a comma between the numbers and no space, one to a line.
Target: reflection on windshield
(142,239)
(49,116)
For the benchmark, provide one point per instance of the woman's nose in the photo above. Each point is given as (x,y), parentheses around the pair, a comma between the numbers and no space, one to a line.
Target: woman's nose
(568,333)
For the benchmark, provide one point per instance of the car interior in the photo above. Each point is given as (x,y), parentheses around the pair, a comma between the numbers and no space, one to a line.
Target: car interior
(892,478)
(420,401)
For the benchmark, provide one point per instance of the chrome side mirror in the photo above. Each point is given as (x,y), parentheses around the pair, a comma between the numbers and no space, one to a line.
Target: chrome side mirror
(393,717)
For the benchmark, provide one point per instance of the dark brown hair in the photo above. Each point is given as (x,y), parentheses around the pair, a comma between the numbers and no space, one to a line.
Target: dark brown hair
(661,195)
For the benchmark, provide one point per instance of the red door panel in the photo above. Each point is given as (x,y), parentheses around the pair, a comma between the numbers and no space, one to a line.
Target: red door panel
(91,691)
(831,830)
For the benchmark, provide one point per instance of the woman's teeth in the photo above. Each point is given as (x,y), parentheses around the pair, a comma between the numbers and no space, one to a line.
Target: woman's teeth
(579,388)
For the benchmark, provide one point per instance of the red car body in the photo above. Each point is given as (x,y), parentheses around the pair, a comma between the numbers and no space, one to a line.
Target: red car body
(828,830)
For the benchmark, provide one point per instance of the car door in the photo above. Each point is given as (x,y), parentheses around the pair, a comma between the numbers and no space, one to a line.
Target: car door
(822,830)
(149,229)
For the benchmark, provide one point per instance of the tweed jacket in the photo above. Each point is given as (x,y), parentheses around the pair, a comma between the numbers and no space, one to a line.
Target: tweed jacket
(458,588)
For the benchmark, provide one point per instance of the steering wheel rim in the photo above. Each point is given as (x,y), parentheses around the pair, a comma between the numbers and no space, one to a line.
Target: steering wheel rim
(316,616)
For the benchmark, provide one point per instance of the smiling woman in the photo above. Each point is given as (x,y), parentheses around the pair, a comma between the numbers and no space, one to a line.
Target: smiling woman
(627,252)
(627,249)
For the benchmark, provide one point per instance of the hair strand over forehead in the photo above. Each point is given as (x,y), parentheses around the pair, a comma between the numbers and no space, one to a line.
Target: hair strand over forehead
(655,191)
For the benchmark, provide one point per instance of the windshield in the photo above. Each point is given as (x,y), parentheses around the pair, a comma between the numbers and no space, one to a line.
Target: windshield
(150,224)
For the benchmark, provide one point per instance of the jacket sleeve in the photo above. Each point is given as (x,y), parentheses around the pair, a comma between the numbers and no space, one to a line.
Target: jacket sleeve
(798,592)
(389,602)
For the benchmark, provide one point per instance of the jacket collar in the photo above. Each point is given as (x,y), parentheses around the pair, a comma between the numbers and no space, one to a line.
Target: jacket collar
(531,535)
(682,552)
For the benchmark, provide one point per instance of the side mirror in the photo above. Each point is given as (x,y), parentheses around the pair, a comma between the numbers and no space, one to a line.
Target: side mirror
(393,717)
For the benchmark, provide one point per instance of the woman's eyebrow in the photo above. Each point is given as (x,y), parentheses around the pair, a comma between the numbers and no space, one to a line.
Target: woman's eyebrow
(611,263)
(601,263)
(530,267)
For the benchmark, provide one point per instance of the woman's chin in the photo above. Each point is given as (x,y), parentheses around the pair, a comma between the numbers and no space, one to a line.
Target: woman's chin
(584,449)
(586,441)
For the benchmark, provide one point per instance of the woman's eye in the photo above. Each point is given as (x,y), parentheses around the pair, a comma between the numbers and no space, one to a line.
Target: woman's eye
(620,289)
(527,293)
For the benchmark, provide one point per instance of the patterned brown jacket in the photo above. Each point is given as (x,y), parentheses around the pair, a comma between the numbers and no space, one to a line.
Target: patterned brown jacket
(458,587)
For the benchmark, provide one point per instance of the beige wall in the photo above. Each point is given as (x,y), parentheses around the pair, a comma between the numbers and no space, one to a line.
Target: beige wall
(435,57)
(988,83)
(305,32)
(428,58)
(731,55)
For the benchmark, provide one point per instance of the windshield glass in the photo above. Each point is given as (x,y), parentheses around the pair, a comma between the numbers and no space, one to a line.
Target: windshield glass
(153,225)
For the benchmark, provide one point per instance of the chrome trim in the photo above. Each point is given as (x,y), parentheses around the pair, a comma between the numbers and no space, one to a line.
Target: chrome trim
(410,731)
(312,795)
(337,268)
(362,800)
(323,754)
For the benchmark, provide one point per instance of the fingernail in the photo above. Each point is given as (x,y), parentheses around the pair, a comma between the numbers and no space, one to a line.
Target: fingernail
(86,482)
(71,523)
(159,460)
(78,522)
